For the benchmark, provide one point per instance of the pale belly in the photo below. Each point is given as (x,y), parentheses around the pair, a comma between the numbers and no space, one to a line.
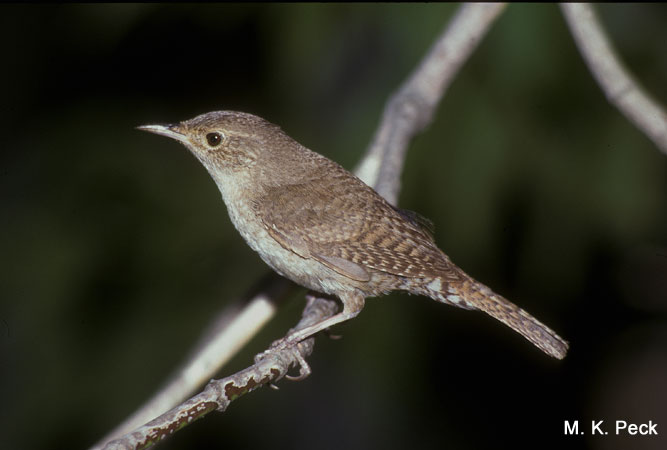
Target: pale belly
(306,272)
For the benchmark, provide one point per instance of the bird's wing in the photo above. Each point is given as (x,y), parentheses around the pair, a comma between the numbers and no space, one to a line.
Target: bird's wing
(348,227)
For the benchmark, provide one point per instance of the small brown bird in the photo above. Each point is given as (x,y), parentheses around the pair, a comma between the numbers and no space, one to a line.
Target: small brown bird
(320,226)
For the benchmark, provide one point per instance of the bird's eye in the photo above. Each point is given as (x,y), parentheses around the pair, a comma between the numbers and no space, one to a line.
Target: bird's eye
(214,139)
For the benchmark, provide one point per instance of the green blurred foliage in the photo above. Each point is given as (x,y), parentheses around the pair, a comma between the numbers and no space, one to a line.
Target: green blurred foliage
(117,250)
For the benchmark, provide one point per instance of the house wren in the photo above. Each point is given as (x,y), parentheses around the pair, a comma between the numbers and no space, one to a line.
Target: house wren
(317,224)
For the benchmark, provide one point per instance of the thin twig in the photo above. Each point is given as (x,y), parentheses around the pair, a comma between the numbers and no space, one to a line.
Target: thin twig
(381,167)
(614,79)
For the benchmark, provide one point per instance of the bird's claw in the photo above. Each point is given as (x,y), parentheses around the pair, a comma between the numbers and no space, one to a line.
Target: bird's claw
(282,345)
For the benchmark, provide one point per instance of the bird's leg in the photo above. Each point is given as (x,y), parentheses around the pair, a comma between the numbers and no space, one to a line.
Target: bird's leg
(353,303)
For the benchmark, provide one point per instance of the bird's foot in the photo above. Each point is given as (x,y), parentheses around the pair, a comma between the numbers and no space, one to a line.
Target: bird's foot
(284,348)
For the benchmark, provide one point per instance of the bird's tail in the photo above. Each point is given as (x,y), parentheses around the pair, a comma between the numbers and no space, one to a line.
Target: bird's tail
(470,294)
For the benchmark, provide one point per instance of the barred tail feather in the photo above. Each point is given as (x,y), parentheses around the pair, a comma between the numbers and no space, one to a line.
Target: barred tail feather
(471,294)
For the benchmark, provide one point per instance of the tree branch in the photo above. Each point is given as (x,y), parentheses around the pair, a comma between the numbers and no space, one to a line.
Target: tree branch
(410,109)
(218,394)
(614,79)
(236,324)
(407,112)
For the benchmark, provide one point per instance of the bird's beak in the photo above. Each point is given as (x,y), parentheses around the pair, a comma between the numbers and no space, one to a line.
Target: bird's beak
(172,131)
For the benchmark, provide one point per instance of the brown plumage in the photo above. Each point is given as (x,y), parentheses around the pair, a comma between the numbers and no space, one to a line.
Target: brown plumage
(319,225)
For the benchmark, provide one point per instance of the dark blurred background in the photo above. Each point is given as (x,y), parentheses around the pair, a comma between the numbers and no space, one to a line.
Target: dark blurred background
(117,250)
